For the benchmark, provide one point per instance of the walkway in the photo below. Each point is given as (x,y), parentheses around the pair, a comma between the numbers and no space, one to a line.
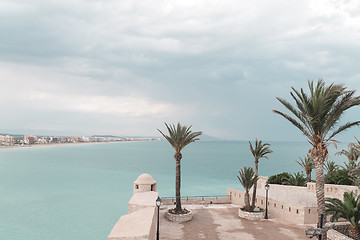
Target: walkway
(220,222)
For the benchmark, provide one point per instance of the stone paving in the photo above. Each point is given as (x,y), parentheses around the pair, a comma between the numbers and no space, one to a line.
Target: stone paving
(220,222)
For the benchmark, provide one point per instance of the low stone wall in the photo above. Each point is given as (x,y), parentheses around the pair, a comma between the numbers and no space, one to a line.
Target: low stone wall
(251,215)
(335,235)
(198,200)
(179,217)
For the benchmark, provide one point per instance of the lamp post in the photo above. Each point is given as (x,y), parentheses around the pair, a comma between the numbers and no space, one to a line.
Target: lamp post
(158,202)
(267,187)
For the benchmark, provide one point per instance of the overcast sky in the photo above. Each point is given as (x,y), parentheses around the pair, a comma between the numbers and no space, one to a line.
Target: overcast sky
(126,67)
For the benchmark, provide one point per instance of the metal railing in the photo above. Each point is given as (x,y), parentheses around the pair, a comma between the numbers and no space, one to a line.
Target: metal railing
(199,199)
(202,197)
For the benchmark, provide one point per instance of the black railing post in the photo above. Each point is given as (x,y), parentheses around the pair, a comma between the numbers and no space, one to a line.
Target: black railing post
(321,224)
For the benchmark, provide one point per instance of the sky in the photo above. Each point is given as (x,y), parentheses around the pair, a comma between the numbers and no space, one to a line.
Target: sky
(84,67)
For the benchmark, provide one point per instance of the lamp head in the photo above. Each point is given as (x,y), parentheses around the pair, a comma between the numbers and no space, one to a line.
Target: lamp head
(267,187)
(158,201)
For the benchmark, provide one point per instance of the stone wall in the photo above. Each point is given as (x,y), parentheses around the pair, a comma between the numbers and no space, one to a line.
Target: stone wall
(334,191)
(277,209)
(290,203)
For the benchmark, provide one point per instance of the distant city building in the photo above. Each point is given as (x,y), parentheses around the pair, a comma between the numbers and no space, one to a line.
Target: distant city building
(42,140)
(6,140)
(29,139)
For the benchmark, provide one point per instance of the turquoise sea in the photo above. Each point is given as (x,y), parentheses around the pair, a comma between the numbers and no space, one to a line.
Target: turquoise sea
(80,191)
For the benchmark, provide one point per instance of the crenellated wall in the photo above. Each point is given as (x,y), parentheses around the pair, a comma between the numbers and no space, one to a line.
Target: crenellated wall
(334,191)
(277,209)
(290,203)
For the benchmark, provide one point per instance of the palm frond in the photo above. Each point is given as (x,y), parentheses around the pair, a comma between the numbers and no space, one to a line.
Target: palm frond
(247,177)
(180,136)
(349,208)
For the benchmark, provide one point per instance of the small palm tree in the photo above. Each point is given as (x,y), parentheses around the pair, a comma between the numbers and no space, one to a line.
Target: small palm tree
(317,117)
(350,166)
(308,164)
(296,179)
(259,151)
(247,178)
(179,137)
(352,153)
(355,176)
(330,167)
(348,209)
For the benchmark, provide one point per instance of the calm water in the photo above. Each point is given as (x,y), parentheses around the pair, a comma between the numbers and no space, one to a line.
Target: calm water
(79,191)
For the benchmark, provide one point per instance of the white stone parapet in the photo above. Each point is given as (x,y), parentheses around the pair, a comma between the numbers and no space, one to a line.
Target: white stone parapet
(140,223)
(135,226)
(142,200)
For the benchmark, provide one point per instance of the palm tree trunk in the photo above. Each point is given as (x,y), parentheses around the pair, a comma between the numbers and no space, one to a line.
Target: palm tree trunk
(354,232)
(247,201)
(320,192)
(255,185)
(178,157)
(308,177)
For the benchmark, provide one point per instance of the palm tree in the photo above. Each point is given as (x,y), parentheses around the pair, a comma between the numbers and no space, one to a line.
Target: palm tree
(350,166)
(352,154)
(179,137)
(296,179)
(348,209)
(317,116)
(308,164)
(259,151)
(330,166)
(247,178)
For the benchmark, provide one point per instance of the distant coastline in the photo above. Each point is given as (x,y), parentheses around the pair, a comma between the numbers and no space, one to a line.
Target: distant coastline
(62,144)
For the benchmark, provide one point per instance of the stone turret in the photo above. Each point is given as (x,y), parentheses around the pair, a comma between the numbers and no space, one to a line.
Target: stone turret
(144,183)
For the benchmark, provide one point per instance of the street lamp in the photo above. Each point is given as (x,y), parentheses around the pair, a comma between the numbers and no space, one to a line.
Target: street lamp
(158,202)
(267,187)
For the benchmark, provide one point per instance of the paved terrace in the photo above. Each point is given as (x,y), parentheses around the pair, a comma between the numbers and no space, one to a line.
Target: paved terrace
(220,222)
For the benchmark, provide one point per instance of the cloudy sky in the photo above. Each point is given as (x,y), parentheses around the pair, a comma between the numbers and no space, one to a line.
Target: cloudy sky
(86,67)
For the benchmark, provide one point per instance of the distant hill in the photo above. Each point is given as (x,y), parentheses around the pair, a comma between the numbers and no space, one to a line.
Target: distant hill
(205,137)
(106,136)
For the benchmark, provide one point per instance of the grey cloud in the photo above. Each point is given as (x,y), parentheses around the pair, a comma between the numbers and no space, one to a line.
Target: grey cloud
(211,63)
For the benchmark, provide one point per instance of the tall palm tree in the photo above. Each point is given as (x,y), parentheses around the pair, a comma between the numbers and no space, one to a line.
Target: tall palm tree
(247,178)
(348,209)
(317,116)
(179,137)
(259,151)
(308,164)
(352,153)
